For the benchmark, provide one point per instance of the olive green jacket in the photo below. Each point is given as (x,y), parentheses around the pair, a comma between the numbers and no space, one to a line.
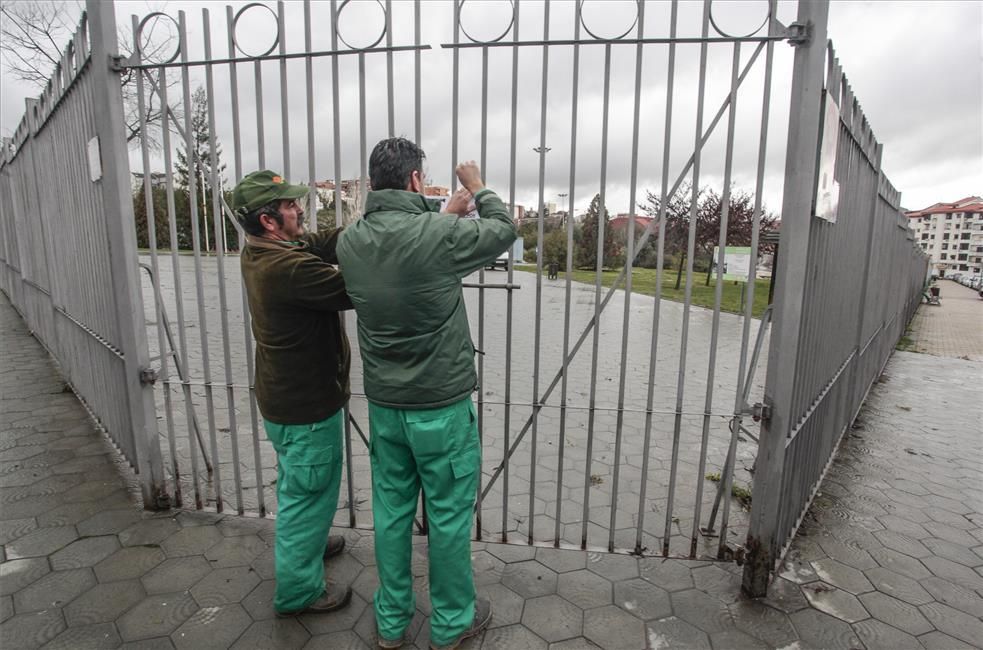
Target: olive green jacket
(403,266)
(302,353)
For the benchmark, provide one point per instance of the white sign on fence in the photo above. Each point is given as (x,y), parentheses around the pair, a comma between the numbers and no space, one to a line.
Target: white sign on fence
(737,262)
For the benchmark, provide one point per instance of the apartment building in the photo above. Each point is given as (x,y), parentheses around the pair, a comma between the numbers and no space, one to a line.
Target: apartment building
(952,235)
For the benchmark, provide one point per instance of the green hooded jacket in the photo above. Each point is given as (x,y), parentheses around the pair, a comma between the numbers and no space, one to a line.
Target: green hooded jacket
(403,266)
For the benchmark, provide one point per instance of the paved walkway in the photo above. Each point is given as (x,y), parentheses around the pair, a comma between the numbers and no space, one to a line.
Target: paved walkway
(891,556)
(953,330)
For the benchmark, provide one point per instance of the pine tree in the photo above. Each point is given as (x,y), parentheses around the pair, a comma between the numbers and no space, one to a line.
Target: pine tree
(197,167)
(585,253)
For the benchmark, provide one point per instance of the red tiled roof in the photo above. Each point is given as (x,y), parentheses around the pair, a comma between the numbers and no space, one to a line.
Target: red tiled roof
(967,204)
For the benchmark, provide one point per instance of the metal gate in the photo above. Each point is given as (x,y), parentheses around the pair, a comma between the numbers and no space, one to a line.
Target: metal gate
(601,411)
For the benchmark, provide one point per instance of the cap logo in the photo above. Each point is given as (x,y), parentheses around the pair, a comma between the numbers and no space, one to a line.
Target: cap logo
(278,180)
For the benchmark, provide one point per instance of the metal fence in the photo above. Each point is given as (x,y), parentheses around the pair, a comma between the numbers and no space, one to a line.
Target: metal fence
(68,247)
(846,293)
(601,411)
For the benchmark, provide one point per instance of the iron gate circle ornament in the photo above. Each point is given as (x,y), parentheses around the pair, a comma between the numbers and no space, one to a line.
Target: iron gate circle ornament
(716,27)
(382,34)
(583,24)
(508,28)
(235,27)
(138,37)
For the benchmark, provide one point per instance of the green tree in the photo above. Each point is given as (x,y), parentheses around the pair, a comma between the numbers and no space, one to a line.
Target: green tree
(194,166)
(585,253)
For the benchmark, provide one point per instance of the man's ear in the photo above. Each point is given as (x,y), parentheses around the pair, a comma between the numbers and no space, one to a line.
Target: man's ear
(268,222)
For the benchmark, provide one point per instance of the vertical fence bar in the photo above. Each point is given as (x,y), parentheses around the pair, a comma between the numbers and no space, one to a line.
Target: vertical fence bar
(598,276)
(688,291)
(740,395)
(455,93)
(121,234)
(284,86)
(389,69)
(800,169)
(246,321)
(481,281)
(155,266)
(218,226)
(193,162)
(417,95)
(630,255)
(309,81)
(537,326)
(718,295)
(568,277)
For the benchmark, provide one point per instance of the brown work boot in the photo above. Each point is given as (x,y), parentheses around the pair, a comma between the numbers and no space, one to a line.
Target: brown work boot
(482,617)
(336,544)
(334,597)
(390,644)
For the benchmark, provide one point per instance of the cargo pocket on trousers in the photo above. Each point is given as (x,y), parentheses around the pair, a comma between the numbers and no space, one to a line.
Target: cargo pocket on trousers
(465,463)
(314,474)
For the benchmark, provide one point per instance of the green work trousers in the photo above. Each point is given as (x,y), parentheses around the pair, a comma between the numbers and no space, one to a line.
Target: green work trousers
(436,450)
(308,478)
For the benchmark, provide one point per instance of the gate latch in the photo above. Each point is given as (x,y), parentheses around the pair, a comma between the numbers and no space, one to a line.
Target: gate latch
(148,376)
(760,412)
(798,33)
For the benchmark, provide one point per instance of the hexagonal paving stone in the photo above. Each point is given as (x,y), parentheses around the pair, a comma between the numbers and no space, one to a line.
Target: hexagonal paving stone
(488,569)
(509,553)
(819,630)
(842,576)
(6,608)
(54,590)
(877,634)
(212,627)
(762,622)
(69,514)
(895,613)
(902,543)
(899,586)
(561,560)
(176,574)
(900,563)
(344,619)
(236,551)
(11,529)
(129,563)
(553,618)
(149,531)
(612,627)
(259,602)
(31,630)
(41,542)
(613,567)
(702,610)
(954,572)
(954,595)
(585,589)
(104,603)
(281,633)
(720,583)
(953,622)
(529,579)
(580,643)
(734,638)
(194,540)
(512,637)
(17,574)
(672,632)
(155,616)
(506,605)
(951,551)
(84,552)
(642,599)
(938,641)
(671,575)
(836,602)
(225,586)
(101,635)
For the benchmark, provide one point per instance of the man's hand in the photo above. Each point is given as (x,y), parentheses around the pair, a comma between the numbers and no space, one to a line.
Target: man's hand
(460,202)
(470,176)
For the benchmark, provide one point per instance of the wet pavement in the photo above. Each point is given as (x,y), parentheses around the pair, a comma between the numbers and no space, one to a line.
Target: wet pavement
(889,556)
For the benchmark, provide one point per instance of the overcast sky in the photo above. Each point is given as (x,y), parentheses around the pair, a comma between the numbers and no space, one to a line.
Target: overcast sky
(916,67)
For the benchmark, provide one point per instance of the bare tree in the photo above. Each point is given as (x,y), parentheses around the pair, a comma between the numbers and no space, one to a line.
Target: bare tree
(35,33)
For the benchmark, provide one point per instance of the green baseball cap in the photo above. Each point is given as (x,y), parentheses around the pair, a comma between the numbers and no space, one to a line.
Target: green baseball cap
(259,188)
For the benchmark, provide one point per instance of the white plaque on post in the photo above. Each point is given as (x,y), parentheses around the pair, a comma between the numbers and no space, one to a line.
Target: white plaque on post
(95,160)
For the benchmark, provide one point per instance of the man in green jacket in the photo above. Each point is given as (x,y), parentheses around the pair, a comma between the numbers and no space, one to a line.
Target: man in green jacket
(403,264)
(302,364)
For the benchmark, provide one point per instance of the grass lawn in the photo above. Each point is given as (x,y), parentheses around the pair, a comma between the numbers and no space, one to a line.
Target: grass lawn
(643,281)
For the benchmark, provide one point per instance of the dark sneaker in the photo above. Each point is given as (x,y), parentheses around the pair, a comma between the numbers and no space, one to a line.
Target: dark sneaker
(336,544)
(482,617)
(334,597)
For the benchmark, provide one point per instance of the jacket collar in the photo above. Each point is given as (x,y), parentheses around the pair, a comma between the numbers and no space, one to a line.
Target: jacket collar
(397,201)
(273,244)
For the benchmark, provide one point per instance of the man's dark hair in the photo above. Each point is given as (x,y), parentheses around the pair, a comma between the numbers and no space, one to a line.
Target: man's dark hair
(392,163)
(250,220)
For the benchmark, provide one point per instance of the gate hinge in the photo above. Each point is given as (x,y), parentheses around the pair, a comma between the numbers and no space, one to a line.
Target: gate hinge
(798,33)
(148,375)
(120,63)
(760,412)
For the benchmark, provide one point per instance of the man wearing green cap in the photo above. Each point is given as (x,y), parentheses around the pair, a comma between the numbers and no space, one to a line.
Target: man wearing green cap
(403,265)
(302,364)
